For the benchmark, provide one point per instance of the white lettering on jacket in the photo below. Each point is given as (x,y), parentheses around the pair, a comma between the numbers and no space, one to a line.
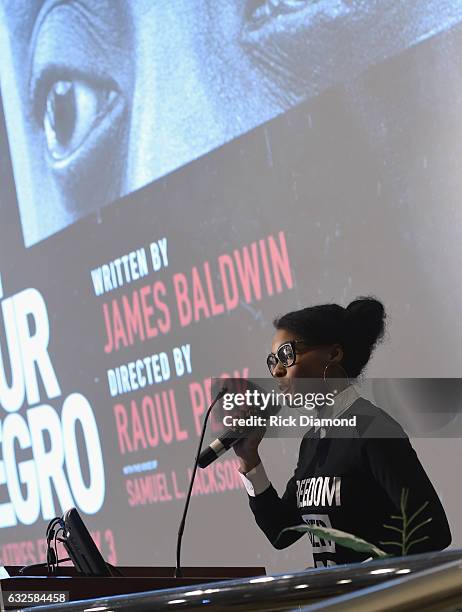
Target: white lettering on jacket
(319,491)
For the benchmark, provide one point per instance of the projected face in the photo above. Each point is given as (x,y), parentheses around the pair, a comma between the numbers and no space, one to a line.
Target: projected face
(104,96)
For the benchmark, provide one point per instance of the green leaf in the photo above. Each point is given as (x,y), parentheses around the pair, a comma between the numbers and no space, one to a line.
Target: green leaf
(339,537)
(406,532)
(393,528)
(414,529)
(418,512)
(390,544)
(416,542)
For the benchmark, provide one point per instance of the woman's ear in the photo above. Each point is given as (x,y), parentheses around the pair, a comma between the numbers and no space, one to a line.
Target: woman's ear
(336,353)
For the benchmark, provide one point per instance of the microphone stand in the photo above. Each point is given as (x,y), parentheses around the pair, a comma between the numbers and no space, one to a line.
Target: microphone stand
(178,572)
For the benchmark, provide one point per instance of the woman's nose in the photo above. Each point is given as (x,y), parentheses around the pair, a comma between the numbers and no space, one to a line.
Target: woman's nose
(279,371)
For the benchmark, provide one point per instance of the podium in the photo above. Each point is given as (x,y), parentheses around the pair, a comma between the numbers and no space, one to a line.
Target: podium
(133,580)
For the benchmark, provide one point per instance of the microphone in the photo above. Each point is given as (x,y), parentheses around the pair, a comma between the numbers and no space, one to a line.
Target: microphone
(219,446)
(231,436)
(178,571)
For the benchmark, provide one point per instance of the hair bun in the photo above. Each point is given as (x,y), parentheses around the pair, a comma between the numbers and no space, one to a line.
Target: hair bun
(357,328)
(365,319)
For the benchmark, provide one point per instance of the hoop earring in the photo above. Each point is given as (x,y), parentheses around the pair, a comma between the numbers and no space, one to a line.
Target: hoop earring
(329,363)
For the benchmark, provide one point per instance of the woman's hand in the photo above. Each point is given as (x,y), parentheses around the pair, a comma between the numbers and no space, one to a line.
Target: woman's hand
(247,448)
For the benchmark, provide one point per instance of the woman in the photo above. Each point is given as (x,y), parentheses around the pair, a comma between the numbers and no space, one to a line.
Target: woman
(353,482)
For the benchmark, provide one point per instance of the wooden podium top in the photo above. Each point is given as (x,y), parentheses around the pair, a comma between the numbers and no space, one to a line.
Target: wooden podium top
(133,580)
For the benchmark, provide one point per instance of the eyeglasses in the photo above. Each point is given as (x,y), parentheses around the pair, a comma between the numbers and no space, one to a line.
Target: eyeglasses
(286,355)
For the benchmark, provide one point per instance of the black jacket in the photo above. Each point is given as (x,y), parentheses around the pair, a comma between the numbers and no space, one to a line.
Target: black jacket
(356,484)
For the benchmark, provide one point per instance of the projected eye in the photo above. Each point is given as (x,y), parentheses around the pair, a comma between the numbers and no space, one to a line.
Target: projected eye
(69,110)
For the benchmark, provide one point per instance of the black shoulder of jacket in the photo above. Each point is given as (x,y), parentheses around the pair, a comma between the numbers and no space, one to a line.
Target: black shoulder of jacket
(372,421)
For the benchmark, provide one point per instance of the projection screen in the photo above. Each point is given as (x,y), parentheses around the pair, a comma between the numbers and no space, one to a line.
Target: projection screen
(174,174)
